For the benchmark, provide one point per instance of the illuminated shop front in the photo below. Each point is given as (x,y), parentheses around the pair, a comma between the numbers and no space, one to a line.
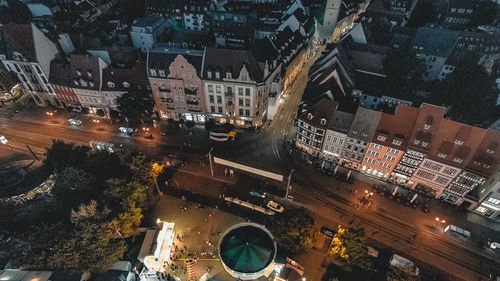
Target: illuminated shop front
(159,259)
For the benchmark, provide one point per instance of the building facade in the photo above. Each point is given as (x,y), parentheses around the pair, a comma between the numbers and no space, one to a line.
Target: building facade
(360,134)
(236,86)
(489,198)
(336,136)
(175,79)
(27,54)
(312,126)
(145,31)
(60,79)
(389,142)
(9,86)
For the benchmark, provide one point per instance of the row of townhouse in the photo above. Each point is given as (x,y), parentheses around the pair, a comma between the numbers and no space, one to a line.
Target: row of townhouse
(76,82)
(415,147)
(239,87)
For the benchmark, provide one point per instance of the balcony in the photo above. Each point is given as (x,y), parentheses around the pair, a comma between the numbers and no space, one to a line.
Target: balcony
(195,110)
(195,102)
(164,90)
(167,99)
(190,92)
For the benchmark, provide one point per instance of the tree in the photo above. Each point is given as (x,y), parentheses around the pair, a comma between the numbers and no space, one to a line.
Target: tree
(293,230)
(62,155)
(104,165)
(72,186)
(484,13)
(136,106)
(406,273)
(404,73)
(469,92)
(349,246)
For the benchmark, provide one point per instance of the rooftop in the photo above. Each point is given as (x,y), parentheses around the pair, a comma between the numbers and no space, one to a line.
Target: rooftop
(146,21)
(434,41)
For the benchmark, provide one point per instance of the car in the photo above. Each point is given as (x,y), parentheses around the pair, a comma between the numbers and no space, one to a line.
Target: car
(258,193)
(275,207)
(328,232)
(75,122)
(126,130)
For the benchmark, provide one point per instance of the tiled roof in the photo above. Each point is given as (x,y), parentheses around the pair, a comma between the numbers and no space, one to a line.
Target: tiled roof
(398,126)
(227,60)
(132,76)
(60,73)
(364,124)
(19,37)
(341,121)
(161,59)
(435,41)
(487,155)
(323,110)
(86,68)
(430,115)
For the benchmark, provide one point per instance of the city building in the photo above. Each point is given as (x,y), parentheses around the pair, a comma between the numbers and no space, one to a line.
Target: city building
(362,130)
(459,12)
(389,142)
(330,19)
(237,86)
(480,167)
(434,45)
(118,81)
(336,136)
(312,126)
(175,79)
(230,29)
(86,80)
(146,30)
(43,8)
(9,85)
(489,197)
(349,12)
(424,131)
(451,149)
(27,53)
(60,79)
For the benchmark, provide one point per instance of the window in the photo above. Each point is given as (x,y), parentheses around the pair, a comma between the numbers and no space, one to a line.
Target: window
(494,201)
(247,92)
(424,144)
(209,74)
(247,102)
(247,112)
(458,142)
(417,141)
(241,112)
(381,137)
(458,160)
(228,75)
(211,98)
(427,126)
(450,171)
(220,110)
(240,102)
(219,99)
(126,84)
(425,174)
(210,88)
(392,150)
(218,89)
(432,165)
(217,75)
(441,155)
(243,77)
(240,91)
(442,180)
(212,108)
(161,72)
(328,138)
(396,142)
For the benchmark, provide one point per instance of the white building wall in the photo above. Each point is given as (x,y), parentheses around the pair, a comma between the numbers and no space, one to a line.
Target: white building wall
(333,145)
(434,175)
(39,10)
(45,50)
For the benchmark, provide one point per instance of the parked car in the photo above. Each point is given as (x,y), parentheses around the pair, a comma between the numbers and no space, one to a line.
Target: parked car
(275,207)
(126,130)
(258,193)
(328,232)
(75,122)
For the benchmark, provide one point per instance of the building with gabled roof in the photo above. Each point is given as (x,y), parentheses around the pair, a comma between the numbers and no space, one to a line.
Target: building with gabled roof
(175,79)
(27,52)
(360,134)
(237,85)
(389,142)
(60,79)
(336,136)
(312,126)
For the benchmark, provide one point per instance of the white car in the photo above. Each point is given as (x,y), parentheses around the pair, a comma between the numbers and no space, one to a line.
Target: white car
(75,122)
(275,207)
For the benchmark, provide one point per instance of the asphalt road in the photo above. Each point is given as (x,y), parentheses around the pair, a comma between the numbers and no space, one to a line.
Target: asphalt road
(388,225)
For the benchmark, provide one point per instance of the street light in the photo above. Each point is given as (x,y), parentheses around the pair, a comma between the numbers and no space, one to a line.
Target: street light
(49,113)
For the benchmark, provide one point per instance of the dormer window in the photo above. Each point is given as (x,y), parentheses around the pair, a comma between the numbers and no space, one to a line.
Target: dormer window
(217,75)
(111,84)
(91,84)
(490,151)
(458,142)
(458,160)
(381,137)
(209,74)
(323,121)
(228,75)
(417,141)
(83,83)
(441,155)
(79,73)
(486,166)
(75,82)
(424,144)
(309,116)
(397,141)
(126,84)
(161,72)
(477,163)
(427,126)
(89,74)
(153,72)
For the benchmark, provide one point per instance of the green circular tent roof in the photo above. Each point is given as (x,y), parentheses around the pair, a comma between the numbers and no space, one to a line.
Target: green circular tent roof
(247,249)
